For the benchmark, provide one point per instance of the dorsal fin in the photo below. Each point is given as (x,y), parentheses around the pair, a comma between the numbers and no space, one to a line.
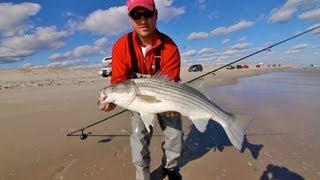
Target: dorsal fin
(198,85)
(161,76)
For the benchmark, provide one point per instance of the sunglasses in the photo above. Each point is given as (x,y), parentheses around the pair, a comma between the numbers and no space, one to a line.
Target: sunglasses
(136,15)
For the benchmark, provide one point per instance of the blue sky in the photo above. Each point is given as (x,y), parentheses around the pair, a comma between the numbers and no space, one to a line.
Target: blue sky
(66,33)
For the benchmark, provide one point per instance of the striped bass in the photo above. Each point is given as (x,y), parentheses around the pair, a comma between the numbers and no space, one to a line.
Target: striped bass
(149,96)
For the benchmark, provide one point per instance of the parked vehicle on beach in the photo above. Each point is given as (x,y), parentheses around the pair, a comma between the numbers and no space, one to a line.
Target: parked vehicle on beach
(239,66)
(245,66)
(315,66)
(195,68)
(230,67)
(107,70)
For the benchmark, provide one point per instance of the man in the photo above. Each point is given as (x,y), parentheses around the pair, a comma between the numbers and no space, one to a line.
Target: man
(146,51)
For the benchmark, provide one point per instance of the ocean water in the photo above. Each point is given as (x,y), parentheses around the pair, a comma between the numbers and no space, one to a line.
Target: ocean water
(285,107)
(276,100)
(289,88)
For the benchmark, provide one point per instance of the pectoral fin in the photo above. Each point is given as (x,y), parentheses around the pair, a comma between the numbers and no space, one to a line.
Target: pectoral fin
(148,120)
(200,123)
(148,99)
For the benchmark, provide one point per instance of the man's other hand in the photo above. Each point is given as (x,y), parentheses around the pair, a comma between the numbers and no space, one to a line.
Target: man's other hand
(107,107)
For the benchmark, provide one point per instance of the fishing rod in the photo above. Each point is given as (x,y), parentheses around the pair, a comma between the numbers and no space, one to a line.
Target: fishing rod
(84,135)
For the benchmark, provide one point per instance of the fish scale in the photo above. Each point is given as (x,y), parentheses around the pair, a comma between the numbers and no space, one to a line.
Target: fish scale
(175,89)
(182,91)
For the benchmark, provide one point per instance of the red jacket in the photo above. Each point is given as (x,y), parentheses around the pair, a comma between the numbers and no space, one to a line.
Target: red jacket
(121,58)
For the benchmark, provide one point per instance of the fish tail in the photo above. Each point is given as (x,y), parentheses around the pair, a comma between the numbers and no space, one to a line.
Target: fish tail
(236,129)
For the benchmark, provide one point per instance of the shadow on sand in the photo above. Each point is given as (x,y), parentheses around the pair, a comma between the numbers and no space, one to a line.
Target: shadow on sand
(279,173)
(197,144)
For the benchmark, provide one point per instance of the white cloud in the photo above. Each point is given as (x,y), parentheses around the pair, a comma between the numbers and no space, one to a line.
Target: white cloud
(242,39)
(14,48)
(101,42)
(209,54)
(198,36)
(299,46)
(233,28)
(12,17)
(285,12)
(206,51)
(82,51)
(233,51)
(296,49)
(225,41)
(222,31)
(240,46)
(59,57)
(312,14)
(26,65)
(292,51)
(43,38)
(290,7)
(86,50)
(205,54)
(201,4)
(230,54)
(213,15)
(30,65)
(167,11)
(112,21)
(189,54)
(69,63)
(316,31)
(72,25)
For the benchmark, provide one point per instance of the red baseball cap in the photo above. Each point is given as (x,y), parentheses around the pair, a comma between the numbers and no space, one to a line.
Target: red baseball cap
(149,4)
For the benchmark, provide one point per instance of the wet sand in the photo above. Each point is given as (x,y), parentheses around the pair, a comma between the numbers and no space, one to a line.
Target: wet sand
(36,116)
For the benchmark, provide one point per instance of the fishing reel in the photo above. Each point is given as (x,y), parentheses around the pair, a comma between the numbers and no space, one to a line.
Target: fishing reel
(83,135)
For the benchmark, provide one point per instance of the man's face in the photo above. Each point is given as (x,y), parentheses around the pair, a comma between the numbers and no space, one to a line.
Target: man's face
(143,21)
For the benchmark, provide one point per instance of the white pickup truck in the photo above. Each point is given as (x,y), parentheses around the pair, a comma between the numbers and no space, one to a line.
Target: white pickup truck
(107,70)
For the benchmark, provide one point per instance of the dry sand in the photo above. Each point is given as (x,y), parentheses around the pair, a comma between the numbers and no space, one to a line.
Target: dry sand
(38,107)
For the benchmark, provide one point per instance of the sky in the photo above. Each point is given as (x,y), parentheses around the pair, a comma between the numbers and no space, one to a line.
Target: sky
(80,33)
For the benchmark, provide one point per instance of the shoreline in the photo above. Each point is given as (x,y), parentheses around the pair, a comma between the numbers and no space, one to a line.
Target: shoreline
(229,77)
(26,78)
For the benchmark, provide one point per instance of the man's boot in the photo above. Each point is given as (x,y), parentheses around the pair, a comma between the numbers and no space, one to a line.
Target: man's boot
(173,174)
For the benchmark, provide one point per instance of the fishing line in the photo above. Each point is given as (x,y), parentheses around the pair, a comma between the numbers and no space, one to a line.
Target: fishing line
(85,135)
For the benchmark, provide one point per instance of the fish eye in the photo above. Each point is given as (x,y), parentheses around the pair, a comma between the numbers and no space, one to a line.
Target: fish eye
(112,88)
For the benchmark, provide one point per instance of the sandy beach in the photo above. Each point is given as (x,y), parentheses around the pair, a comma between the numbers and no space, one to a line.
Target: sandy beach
(38,107)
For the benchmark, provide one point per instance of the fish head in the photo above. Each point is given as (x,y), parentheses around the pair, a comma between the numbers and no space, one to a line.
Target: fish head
(121,94)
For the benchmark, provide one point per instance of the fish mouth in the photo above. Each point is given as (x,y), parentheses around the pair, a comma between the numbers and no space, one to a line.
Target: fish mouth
(104,100)
(109,101)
